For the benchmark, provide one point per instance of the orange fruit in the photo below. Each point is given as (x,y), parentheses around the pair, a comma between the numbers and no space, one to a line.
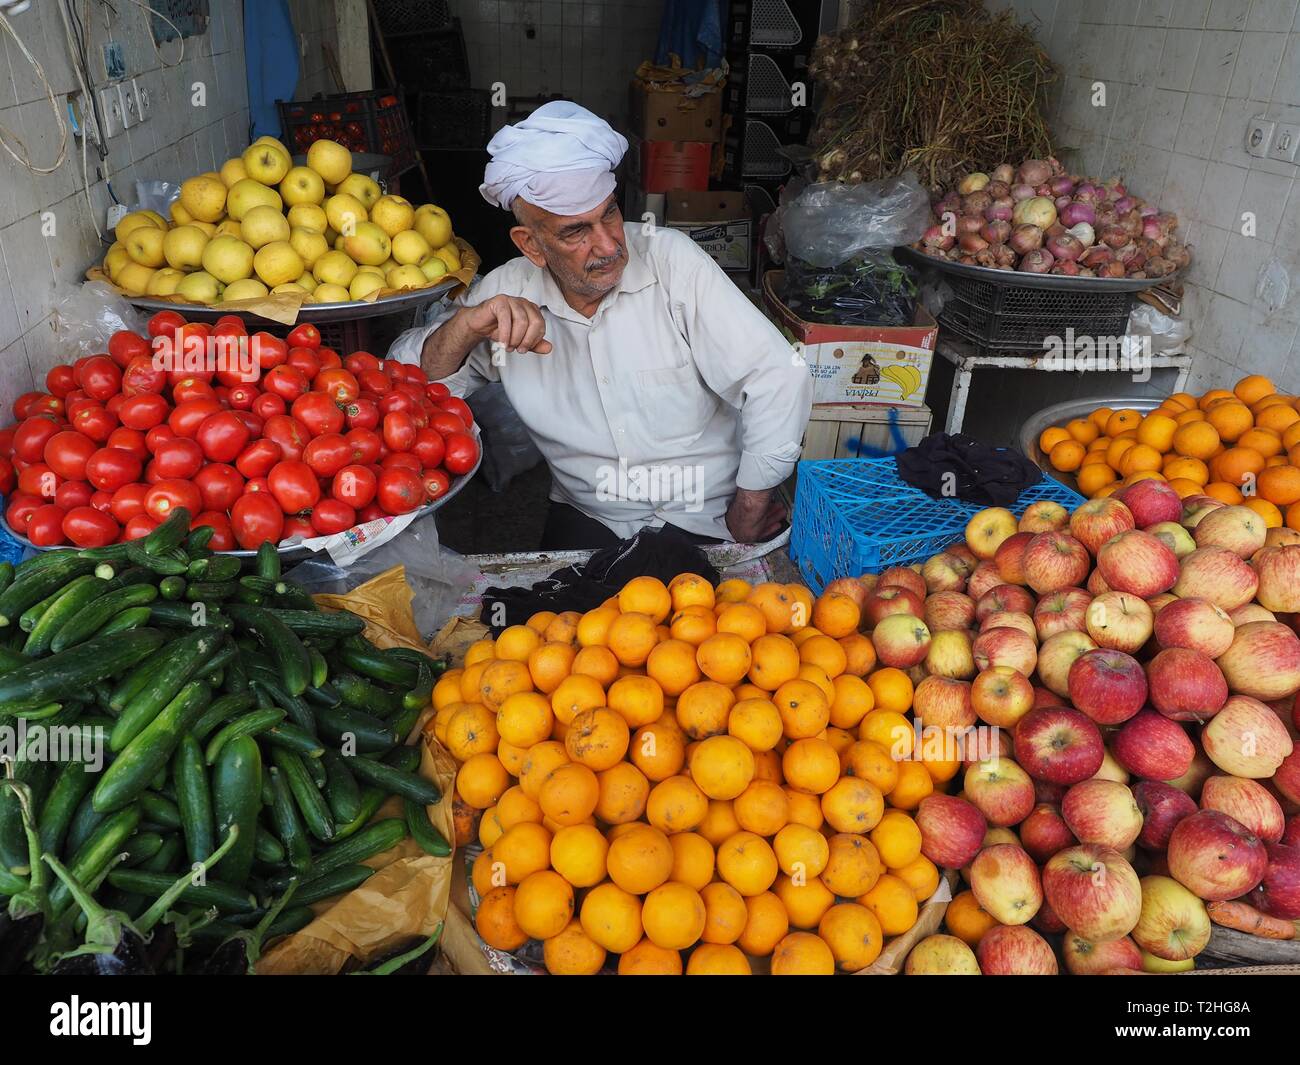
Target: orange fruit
(1157,431)
(640,859)
(659,749)
(611,916)
(724,658)
(471,730)
(776,604)
(766,925)
(762,808)
(1193,415)
(801,852)
(1094,476)
(774,660)
(1051,436)
(756,723)
(1237,465)
(1184,487)
(824,652)
(540,760)
(805,899)
(859,654)
(718,959)
(549,664)
(921,875)
(693,625)
(703,709)
(516,806)
(673,915)
(853,700)
(517,642)
(645,595)
(1213,395)
(1271,514)
(479,651)
(569,794)
(632,636)
(1230,419)
(598,738)
(967,919)
(671,667)
(1067,456)
(677,805)
(572,952)
(597,662)
(725,913)
(563,627)
(690,589)
(914,784)
(646,959)
(1084,430)
(1291,436)
(853,934)
(853,805)
(495,920)
(734,590)
(747,863)
(893,903)
(1279,417)
(1116,449)
(897,839)
(1198,440)
(525,718)
(1279,485)
(802,954)
(1097,447)
(1224,492)
(719,823)
(1139,457)
(870,761)
(1100,417)
(1122,421)
(503,677)
(836,615)
(593,627)
(1293,516)
(482,780)
(1186,468)
(892,689)
(692,859)
(638,700)
(803,707)
(574,695)
(1253,388)
(891,730)
(853,867)
(805,808)
(743,619)
(543,904)
(624,791)
(447,690)
(722,767)
(811,765)
(1265,441)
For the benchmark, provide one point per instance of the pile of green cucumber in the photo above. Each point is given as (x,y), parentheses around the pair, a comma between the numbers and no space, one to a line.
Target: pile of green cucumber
(203,696)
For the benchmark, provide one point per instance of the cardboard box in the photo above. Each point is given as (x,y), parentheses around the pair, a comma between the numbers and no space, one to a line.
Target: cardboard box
(674,116)
(859,364)
(720,222)
(665,165)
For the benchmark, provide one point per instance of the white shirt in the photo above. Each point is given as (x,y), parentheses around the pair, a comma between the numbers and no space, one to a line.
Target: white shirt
(673,394)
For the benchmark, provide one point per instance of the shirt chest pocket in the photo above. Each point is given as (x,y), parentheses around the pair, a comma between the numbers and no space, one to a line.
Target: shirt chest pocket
(677,403)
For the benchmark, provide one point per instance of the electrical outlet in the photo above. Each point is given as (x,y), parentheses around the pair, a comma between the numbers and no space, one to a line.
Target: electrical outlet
(130,108)
(1285,142)
(110,106)
(144,102)
(1259,135)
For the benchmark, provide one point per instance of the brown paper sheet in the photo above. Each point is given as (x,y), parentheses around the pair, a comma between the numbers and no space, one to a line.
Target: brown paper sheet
(409,895)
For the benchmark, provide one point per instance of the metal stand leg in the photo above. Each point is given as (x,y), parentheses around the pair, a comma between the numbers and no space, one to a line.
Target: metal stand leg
(957,400)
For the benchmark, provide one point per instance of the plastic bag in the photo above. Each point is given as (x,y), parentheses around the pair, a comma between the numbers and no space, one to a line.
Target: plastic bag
(1168,333)
(830,222)
(87,314)
(508,449)
(869,289)
(1273,285)
(436,574)
(155,195)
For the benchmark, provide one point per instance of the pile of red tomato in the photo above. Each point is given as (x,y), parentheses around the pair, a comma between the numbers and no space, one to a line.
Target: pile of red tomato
(316,444)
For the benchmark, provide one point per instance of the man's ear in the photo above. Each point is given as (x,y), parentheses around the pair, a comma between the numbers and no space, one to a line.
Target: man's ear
(527,243)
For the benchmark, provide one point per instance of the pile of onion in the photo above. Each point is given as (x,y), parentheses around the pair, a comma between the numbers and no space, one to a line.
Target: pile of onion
(1037,218)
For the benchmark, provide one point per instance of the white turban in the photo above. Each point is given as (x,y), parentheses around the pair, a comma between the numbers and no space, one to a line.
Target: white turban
(561,158)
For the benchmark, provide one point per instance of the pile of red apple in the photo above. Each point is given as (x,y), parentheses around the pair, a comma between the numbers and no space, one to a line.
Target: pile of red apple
(1140,662)
(299,443)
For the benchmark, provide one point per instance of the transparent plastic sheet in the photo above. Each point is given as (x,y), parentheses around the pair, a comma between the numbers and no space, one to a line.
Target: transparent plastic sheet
(871,288)
(87,314)
(508,450)
(935,292)
(829,222)
(436,575)
(1273,285)
(1168,333)
(155,195)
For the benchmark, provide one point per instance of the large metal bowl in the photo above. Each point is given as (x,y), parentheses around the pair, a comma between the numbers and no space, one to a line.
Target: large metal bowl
(1062,413)
(1023,279)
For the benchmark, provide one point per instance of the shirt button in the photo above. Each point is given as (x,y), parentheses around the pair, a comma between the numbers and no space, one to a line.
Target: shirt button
(620,430)
(604,380)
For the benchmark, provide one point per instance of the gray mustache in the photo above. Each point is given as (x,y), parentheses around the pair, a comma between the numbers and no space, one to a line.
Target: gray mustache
(600,264)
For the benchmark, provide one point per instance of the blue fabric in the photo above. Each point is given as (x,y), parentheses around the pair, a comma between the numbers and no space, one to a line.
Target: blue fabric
(10,549)
(271,56)
(691,29)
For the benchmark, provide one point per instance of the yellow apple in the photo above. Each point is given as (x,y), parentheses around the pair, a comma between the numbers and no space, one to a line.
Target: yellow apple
(307,281)
(207,227)
(392,214)
(345,213)
(289,288)
(338,241)
(158,219)
(334,268)
(267,163)
(361,187)
(330,294)
(378,271)
(246,194)
(277,263)
(262,225)
(247,289)
(433,268)
(1153,964)
(302,185)
(407,277)
(987,529)
(433,224)
(268,139)
(228,260)
(450,255)
(200,287)
(183,247)
(133,221)
(364,284)
(309,244)
(368,245)
(330,160)
(145,246)
(308,216)
(116,258)
(179,215)
(233,172)
(229,228)
(204,198)
(409,248)
(134,278)
(164,282)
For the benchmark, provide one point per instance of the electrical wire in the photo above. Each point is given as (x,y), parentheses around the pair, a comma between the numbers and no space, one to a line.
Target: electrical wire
(7,135)
(179,36)
(76,47)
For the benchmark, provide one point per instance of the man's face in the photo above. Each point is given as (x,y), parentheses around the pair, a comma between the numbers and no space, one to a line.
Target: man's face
(586,253)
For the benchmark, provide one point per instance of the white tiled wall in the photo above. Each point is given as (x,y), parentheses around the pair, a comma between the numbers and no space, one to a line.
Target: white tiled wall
(1182,77)
(586,50)
(178,141)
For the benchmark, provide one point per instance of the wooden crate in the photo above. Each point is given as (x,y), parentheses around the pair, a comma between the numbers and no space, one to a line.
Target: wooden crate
(862,430)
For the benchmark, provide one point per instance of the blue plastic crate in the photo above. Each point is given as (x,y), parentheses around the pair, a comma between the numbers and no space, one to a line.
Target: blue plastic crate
(854,516)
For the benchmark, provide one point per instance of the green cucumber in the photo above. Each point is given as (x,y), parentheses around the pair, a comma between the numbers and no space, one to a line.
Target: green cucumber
(166,859)
(226,897)
(93,856)
(236,675)
(431,841)
(419,695)
(222,568)
(320,622)
(32,586)
(172,588)
(361,694)
(75,595)
(248,725)
(371,800)
(141,847)
(311,804)
(299,712)
(107,553)
(159,810)
(143,694)
(189,616)
(341,790)
(368,733)
(58,676)
(193,798)
(151,749)
(262,586)
(320,670)
(291,658)
(405,758)
(372,840)
(95,615)
(198,539)
(293,738)
(133,617)
(222,709)
(399,782)
(335,883)
(359,654)
(323,695)
(207,591)
(70,787)
(15,847)
(11,660)
(268,850)
(6,574)
(268,561)
(237,800)
(163,565)
(83,824)
(288,824)
(170,534)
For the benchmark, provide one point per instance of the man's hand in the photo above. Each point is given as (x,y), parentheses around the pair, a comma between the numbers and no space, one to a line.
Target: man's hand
(755,516)
(514,323)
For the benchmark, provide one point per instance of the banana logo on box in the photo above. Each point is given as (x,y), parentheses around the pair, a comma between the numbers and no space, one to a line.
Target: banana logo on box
(906,376)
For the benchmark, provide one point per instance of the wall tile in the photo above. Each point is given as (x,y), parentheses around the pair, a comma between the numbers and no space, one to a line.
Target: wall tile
(1214,61)
(1178,59)
(31,277)
(1256,67)
(1164,113)
(1198,125)
(1238,273)
(1189,13)
(1228,15)
(1272,15)
(15,374)
(1266,349)
(1208,245)
(1142,63)
(1220,195)
(1155,13)
(1182,185)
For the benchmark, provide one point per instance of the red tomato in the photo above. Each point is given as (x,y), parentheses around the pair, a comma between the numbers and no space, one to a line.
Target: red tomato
(100,377)
(396,400)
(157,436)
(181,457)
(7,439)
(123,346)
(256,518)
(223,539)
(165,324)
(222,436)
(436,391)
(267,405)
(400,491)
(76,401)
(141,375)
(151,474)
(191,387)
(219,485)
(332,516)
(143,411)
(371,512)
(87,527)
(73,494)
(187,417)
(304,359)
(20,508)
(429,447)
(462,453)
(374,381)
(459,408)
(110,468)
(392,369)
(60,380)
(258,457)
(366,445)
(399,431)
(8,477)
(45,526)
(436,483)
(354,485)
(318,413)
(32,435)
(95,422)
(362,413)
(268,351)
(287,382)
(114,404)
(362,360)
(165,496)
(289,433)
(242,397)
(30,403)
(296,525)
(229,325)
(256,484)
(447,423)
(415,374)
(102,500)
(340,385)
(128,501)
(252,421)
(294,486)
(401,459)
(131,440)
(327,454)
(140,525)
(304,335)
(66,454)
(329,359)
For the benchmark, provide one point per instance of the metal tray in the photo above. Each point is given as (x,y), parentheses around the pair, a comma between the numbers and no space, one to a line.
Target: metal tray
(1060,414)
(1020,279)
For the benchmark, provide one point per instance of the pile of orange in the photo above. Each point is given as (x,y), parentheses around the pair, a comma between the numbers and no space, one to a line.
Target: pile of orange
(690,778)
(1240,447)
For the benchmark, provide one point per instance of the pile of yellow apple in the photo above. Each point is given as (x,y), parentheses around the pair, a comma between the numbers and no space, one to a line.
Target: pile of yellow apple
(262,225)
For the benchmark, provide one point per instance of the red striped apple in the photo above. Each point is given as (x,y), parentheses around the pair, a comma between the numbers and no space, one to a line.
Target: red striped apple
(901,640)
(1005,619)
(987,529)
(1287,777)
(1094,890)
(1057,656)
(1083,957)
(1137,562)
(1247,802)
(1108,686)
(941,955)
(1174,924)
(1006,883)
(1263,661)
(950,655)
(1217,575)
(1104,812)
(1096,521)
(1006,647)
(984,579)
(1196,624)
(1278,894)
(949,610)
(1004,598)
(902,577)
(1043,516)
(1246,739)
(944,703)
(850,586)
(1186,685)
(889,600)
(1055,560)
(945,572)
(1150,745)
(1047,921)
(1010,557)
(1120,621)
(952,830)
(1015,950)
(1216,856)
(1236,528)
(1064,610)
(1196,507)
(1250,612)
(1001,696)
(1162,806)
(1174,536)
(1058,744)
(1151,502)
(1044,832)
(1291,837)
(1096,583)
(1001,790)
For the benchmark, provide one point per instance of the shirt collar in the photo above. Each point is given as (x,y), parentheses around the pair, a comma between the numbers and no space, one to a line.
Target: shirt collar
(543,290)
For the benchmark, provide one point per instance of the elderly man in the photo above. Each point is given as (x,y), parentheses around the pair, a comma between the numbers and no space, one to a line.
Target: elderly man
(657,393)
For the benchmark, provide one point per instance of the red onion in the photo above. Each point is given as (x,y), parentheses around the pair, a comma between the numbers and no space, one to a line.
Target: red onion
(998,212)
(969,223)
(1126,254)
(1062,186)
(1034,171)
(1083,233)
(1167,222)
(1054,230)
(996,232)
(1115,189)
(1077,212)
(1124,204)
(972,183)
(972,242)
(998,189)
(1038,211)
(1021,192)
(968,260)
(951,202)
(1132,223)
(1065,247)
(1062,202)
(1004,255)
(935,237)
(1151,228)
(1025,238)
(1069,268)
(1086,271)
(1087,193)
(1114,236)
(1148,210)
(985,257)
(1038,261)
(1111,270)
(1003,172)
(975,202)
(1044,190)
(1097,255)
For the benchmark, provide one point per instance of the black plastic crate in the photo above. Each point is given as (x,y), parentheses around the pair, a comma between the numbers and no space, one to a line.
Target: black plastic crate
(777,25)
(751,148)
(433,60)
(370,121)
(1008,318)
(411,16)
(460,119)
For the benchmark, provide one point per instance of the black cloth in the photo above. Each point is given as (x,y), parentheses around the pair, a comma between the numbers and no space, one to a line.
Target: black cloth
(569,529)
(661,553)
(959,466)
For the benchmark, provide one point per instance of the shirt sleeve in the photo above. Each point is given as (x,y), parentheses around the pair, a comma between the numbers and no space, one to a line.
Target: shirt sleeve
(477,369)
(745,360)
